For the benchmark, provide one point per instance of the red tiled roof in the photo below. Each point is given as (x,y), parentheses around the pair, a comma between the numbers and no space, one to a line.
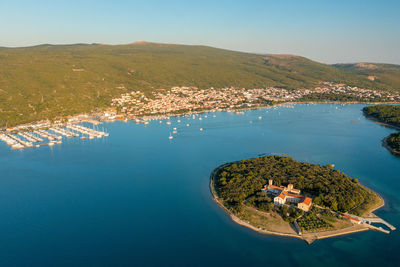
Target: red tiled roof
(283,194)
(351,218)
(275,187)
(307,201)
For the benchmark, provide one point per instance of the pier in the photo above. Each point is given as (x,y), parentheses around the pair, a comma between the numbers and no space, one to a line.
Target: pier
(369,221)
(48,135)
(379,220)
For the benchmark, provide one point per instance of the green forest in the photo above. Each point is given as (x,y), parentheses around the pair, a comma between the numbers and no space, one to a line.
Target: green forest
(46,81)
(389,114)
(393,141)
(238,181)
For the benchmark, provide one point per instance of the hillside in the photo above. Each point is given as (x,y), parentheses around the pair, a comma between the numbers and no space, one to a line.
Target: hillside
(49,80)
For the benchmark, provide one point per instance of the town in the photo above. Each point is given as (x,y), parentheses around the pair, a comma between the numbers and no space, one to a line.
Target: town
(162,104)
(181,100)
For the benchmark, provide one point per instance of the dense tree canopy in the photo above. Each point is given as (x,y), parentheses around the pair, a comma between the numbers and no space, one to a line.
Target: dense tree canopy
(389,114)
(394,141)
(236,182)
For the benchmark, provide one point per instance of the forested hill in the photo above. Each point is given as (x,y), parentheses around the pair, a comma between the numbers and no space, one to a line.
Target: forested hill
(48,80)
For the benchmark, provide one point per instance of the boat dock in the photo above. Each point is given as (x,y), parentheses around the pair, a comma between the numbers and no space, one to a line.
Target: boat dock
(48,135)
(369,221)
(381,221)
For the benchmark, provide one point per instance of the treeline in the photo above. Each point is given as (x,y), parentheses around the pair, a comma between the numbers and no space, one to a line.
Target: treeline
(389,114)
(328,187)
(393,141)
(332,97)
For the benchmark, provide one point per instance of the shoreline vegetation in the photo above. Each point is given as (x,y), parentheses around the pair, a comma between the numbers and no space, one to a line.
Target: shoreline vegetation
(273,223)
(388,116)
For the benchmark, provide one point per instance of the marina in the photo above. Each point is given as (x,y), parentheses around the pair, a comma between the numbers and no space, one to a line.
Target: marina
(45,135)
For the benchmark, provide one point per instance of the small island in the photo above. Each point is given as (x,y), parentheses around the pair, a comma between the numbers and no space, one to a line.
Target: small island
(388,115)
(281,196)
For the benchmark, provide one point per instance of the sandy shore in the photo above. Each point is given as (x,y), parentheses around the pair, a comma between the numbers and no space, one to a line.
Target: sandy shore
(307,237)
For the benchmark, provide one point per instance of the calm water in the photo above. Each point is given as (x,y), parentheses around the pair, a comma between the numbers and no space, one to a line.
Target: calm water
(138,198)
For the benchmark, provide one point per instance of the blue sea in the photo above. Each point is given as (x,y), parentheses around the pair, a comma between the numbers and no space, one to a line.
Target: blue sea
(136,198)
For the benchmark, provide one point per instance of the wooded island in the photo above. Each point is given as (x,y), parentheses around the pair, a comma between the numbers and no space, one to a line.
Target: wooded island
(279,195)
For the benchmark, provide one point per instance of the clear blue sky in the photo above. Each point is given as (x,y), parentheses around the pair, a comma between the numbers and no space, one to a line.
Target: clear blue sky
(324,30)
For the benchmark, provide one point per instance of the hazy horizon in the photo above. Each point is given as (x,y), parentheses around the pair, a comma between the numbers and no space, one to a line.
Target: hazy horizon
(139,41)
(328,32)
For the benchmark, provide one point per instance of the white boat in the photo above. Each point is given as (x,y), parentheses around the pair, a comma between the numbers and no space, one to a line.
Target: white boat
(168,122)
(170,137)
(201,129)
(188,125)
(51,143)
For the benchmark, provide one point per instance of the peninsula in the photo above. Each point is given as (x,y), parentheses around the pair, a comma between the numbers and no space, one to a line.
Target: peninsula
(388,115)
(281,196)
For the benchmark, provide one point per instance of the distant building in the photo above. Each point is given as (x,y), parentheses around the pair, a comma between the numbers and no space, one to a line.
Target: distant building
(288,195)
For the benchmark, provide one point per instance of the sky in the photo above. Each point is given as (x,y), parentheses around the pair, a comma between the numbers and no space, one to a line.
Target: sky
(329,31)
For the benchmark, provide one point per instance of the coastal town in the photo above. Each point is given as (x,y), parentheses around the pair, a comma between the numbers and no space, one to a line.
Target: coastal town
(163,103)
(180,100)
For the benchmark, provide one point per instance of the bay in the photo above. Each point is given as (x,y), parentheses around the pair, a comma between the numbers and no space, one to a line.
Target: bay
(138,198)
